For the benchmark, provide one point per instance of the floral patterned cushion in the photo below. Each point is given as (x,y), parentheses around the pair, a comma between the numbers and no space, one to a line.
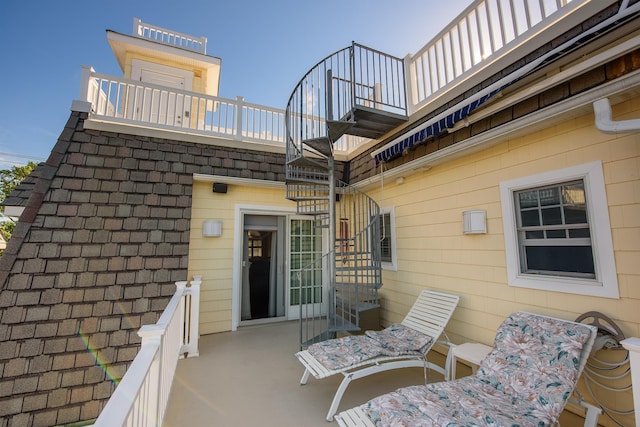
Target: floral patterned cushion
(396,340)
(525,381)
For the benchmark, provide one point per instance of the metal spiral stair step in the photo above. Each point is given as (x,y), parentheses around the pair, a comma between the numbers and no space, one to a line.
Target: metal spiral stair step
(337,128)
(321,145)
(308,162)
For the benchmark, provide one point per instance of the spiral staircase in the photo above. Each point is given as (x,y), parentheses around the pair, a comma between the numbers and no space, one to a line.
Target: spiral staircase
(355,91)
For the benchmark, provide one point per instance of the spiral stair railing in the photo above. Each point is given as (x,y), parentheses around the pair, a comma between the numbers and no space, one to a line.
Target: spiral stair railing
(355,91)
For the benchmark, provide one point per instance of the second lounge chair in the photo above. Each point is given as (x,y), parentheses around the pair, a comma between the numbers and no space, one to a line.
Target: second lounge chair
(401,345)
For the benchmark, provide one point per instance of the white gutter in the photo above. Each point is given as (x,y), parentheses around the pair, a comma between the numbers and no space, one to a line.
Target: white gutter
(604,123)
(501,133)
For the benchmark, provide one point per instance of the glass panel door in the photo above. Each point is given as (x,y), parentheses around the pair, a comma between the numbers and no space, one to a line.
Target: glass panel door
(306,266)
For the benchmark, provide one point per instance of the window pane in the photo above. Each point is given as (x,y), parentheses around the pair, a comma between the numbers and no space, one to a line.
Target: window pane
(295,296)
(385,235)
(579,233)
(551,216)
(549,196)
(573,193)
(530,218)
(534,234)
(576,214)
(556,234)
(570,259)
(295,244)
(528,199)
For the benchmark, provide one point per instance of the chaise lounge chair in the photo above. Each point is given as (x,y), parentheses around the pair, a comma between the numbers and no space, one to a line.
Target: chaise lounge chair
(401,345)
(525,380)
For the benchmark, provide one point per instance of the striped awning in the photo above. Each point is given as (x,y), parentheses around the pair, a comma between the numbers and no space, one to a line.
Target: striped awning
(433,128)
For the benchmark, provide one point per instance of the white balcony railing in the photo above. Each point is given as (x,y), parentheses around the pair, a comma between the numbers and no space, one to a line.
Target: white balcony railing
(140,399)
(172,38)
(118,99)
(486,37)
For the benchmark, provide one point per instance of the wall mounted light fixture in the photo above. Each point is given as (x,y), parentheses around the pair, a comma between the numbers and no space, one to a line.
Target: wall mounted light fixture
(219,187)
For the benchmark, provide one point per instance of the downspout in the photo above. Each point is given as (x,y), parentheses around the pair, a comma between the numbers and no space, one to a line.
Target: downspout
(604,123)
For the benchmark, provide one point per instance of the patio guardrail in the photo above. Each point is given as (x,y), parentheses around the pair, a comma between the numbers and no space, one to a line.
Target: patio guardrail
(173,38)
(140,399)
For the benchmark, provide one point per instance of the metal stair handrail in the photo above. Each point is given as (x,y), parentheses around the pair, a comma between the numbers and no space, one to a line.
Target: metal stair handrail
(353,76)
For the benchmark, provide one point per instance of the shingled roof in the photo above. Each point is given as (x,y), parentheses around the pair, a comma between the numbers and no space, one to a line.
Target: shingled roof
(95,255)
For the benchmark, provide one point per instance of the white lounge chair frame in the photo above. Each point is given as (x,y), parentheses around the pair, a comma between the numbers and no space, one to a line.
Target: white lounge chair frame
(429,315)
(357,417)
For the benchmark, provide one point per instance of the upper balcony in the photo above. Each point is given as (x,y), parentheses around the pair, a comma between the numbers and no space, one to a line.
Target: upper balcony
(373,96)
(169,37)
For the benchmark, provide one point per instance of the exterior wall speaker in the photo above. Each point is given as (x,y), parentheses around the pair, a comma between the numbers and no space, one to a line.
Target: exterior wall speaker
(474,222)
(212,228)
(219,187)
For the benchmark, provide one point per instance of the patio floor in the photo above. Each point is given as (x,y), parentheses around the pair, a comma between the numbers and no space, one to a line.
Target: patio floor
(252,378)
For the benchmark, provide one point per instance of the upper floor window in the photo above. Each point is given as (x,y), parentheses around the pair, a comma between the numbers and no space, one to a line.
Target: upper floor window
(388,238)
(557,232)
(553,230)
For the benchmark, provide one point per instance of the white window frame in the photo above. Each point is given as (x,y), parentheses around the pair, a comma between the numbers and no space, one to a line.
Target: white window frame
(391,211)
(605,283)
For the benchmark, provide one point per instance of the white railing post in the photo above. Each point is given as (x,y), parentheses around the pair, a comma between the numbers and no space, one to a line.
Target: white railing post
(153,334)
(194,317)
(85,94)
(136,27)
(189,316)
(203,41)
(239,113)
(408,85)
(633,346)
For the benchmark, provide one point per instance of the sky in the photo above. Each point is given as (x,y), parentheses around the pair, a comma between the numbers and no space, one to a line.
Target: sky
(266,46)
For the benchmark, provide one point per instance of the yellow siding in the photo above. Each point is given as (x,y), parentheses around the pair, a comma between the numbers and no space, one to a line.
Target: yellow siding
(433,253)
(212,257)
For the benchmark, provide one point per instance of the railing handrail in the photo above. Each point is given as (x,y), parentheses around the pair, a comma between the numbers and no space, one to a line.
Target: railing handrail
(140,399)
(169,37)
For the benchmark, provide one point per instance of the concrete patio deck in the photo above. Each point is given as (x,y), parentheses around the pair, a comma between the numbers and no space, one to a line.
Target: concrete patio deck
(252,378)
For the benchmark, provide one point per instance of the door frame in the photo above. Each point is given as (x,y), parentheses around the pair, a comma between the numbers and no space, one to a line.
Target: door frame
(238,245)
